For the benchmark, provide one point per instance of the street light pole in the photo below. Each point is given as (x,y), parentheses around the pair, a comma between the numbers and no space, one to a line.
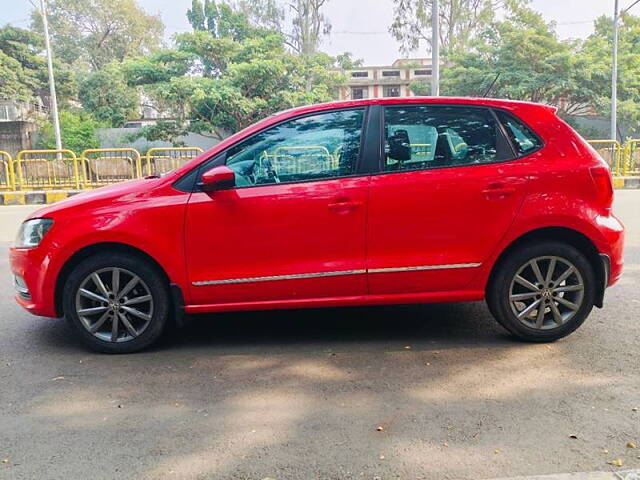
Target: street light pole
(52,85)
(614,69)
(614,76)
(435,49)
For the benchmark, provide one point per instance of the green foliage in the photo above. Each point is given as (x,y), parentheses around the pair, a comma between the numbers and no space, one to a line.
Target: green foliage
(77,129)
(107,96)
(345,61)
(596,60)
(219,19)
(528,59)
(246,73)
(163,130)
(20,64)
(98,32)
(23,69)
(420,87)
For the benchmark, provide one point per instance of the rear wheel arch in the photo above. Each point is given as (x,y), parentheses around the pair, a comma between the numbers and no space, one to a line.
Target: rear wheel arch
(96,248)
(566,235)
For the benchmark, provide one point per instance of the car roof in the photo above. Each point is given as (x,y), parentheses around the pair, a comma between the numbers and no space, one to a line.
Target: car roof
(472,101)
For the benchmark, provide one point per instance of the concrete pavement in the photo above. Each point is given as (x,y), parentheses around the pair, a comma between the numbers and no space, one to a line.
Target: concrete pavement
(430,392)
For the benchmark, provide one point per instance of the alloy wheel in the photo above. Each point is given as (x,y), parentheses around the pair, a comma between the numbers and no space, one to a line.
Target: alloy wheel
(114,304)
(546,292)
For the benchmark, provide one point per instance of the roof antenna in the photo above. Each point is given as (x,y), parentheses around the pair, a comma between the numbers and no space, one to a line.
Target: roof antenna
(491,86)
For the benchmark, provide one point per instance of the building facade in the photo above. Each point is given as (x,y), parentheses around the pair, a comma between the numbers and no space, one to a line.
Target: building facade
(385,81)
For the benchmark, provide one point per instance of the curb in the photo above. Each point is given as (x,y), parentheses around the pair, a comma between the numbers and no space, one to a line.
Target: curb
(626,182)
(618,475)
(35,197)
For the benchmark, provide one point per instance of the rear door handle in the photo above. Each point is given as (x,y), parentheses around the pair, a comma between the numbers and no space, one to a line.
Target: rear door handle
(498,191)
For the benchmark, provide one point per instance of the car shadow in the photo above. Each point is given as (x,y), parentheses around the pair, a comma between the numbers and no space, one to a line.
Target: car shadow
(336,328)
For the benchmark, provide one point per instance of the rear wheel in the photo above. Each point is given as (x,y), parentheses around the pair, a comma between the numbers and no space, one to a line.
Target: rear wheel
(116,303)
(542,291)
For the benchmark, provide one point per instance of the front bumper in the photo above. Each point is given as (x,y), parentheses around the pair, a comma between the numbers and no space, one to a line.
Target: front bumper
(32,266)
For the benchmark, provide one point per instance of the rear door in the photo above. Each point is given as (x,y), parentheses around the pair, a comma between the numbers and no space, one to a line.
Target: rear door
(436,213)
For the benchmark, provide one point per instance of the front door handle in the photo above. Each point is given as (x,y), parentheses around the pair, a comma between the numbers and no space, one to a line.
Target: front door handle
(498,191)
(343,205)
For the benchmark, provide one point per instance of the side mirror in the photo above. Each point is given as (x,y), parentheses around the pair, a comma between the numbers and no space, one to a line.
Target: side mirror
(399,146)
(218,178)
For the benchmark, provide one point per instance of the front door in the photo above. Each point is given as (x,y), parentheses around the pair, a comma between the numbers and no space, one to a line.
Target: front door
(293,228)
(449,190)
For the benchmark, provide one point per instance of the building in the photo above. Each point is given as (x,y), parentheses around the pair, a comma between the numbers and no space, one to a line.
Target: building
(386,81)
(18,123)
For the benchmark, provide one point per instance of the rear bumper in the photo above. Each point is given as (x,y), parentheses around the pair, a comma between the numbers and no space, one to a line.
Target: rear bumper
(33,266)
(611,249)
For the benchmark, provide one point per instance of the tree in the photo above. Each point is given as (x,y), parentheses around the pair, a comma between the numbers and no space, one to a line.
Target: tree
(345,61)
(23,70)
(460,22)
(309,26)
(263,13)
(221,20)
(78,132)
(236,76)
(595,55)
(107,96)
(98,32)
(20,63)
(527,62)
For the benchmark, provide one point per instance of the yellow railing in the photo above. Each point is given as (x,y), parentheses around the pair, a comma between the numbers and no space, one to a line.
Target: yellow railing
(163,159)
(297,159)
(7,181)
(47,169)
(611,152)
(102,166)
(631,165)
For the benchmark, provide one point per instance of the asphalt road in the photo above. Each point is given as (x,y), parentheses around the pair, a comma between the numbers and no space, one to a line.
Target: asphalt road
(435,391)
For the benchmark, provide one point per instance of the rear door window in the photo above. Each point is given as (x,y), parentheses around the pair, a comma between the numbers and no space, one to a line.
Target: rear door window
(419,137)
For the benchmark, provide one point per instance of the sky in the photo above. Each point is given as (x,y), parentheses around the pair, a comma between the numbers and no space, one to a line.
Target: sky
(360,26)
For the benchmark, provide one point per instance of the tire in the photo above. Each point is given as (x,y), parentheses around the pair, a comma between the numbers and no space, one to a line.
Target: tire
(563,305)
(145,306)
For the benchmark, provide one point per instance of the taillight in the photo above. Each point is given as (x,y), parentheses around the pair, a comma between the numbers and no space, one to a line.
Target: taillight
(604,186)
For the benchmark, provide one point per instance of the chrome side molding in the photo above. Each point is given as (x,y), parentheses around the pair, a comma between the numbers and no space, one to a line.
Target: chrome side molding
(298,276)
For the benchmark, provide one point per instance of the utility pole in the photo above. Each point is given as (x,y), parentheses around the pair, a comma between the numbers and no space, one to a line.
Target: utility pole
(52,84)
(435,49)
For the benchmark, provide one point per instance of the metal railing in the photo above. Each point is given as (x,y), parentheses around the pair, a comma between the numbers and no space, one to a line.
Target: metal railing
(164,159)
(611,152)
(102,166)
(632,158)
(7,181)
(47,169)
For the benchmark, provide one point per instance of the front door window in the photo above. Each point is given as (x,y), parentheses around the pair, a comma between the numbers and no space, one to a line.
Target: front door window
(314,147)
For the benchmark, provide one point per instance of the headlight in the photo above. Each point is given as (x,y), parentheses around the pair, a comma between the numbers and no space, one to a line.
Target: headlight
(32,232)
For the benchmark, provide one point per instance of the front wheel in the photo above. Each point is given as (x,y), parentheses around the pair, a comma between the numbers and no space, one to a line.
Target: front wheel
(542,291)
(116,303)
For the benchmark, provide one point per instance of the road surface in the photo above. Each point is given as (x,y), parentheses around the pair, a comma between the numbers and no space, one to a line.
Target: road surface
(435,392)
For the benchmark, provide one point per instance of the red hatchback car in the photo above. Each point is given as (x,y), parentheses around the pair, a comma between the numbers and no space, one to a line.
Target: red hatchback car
(381,201)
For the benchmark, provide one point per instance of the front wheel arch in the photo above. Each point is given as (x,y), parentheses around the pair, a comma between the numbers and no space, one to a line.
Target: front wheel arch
(90,250)
(565,235)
